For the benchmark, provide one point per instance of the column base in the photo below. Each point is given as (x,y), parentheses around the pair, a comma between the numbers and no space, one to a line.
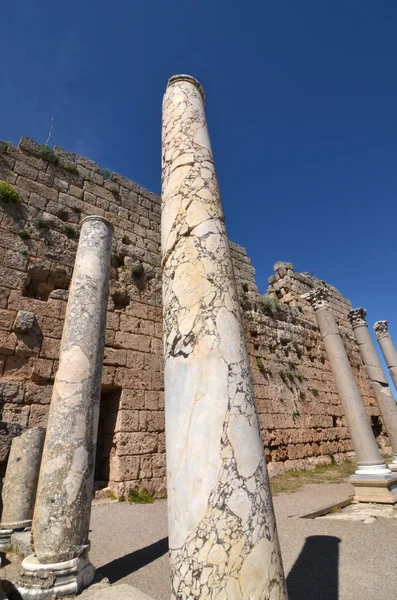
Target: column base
(393,465)
(5,538)
(380,489)
(7,529)
(39,581)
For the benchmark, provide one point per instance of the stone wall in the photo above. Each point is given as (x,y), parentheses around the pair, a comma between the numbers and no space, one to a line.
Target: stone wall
(299,408)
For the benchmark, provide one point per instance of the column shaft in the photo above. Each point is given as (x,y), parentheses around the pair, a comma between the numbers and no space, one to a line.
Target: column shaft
(388,349)
(64,495)
(386,403)
(222,531)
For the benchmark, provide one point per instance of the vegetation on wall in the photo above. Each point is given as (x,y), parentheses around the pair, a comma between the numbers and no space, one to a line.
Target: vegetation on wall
(8,194)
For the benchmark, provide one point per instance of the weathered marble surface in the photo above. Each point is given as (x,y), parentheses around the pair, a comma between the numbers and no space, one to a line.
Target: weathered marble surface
(222,531)
(386,344)
(20,482)
(368,456)
(63,505)
(384,397)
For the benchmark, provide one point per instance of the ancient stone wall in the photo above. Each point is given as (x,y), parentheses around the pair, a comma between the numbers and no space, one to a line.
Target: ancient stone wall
(299,409)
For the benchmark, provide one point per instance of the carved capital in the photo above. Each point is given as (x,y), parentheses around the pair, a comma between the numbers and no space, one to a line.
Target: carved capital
(317,298)
(357,317)
(381,329)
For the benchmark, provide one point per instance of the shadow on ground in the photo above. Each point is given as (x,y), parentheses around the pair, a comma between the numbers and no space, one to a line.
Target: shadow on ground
(314,575)
(125,565)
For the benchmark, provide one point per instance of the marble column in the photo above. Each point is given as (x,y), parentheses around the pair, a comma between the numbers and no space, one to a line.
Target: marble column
(20,483)
(222,531)
(382,392)
(388,349)
(63,503)
(371,470)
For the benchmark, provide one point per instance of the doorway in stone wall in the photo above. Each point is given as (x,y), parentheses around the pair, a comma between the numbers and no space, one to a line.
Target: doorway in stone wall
(109,407)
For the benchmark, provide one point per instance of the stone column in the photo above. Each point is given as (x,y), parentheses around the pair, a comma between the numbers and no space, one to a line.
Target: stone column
(388,349)
(382,392)
(371,469)
(20,483)
(222,531)
(63,504)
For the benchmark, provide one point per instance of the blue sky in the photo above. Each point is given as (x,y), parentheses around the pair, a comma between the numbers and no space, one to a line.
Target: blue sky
(301,104)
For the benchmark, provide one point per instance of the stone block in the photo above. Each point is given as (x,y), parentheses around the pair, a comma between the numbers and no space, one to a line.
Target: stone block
(24,321)
(38,394)
(38,416)
(136,443)
(6,319)
(14,413)
(123,468)
(50,348)
(115,357)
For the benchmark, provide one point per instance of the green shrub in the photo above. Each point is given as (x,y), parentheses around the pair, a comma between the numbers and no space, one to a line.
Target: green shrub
(106,173)
(121,499)
(8,194)
(23,252)
(261,366)
(70,167)
(69,231)
(137,269)
(141,496)
(269,306)
(10,144)
(48,154)
(315,393)
(41,224)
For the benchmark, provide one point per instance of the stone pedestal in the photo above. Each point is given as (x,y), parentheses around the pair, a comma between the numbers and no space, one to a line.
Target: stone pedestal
(386,403)
(63,504)
(388,349)
(370,464)
(222,531)
(20,483)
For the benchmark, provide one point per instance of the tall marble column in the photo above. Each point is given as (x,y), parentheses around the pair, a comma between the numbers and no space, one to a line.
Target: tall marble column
(388,349)
(382,392)
(372,480)
(20,483)
(63,503)
(222,531)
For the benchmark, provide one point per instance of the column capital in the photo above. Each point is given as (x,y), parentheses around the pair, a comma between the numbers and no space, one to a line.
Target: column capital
(189,79)
(318,298)
(381,329)
(357,317)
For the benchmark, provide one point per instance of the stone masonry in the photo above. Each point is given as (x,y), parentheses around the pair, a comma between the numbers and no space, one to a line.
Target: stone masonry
(295,393)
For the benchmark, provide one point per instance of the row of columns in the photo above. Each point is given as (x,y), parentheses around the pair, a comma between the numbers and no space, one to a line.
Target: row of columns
(372,481)
(222,530)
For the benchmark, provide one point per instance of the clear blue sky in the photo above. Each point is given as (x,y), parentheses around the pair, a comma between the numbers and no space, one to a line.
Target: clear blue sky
(301,104)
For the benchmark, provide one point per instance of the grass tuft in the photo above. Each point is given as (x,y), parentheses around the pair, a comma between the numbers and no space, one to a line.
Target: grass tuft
(293,480)
(141,496)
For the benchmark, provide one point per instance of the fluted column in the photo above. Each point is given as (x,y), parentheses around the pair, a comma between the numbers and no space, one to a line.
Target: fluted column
(382,392)
(63,504)
(368,456)
(388,349)
(222,531)
(20,483)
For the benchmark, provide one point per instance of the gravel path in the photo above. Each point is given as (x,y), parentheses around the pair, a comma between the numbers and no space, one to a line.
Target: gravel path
(324,559)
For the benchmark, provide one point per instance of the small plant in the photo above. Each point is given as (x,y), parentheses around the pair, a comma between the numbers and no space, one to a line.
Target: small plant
(70,167)
(299,376)
(137,269)
(283,375)
(122,267)
(10,144)
(141,496)
(300,309)
(8,194)
(121,499)
(335,509)
(106,173)
(69,231)
(315,393)
(41,224)
(48,154)
(295,415)
(24,235)
(269,306)
(111,496)
(302,396)
(23,252)
(261,366)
